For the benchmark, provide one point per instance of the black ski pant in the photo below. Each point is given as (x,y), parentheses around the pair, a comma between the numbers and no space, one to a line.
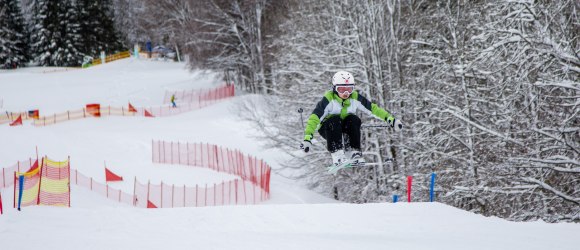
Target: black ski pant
(333,128)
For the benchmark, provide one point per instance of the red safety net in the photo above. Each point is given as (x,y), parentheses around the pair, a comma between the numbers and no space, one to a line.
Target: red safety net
(101,188)
(200,95)
(110,176)
(252,187)
(7,174)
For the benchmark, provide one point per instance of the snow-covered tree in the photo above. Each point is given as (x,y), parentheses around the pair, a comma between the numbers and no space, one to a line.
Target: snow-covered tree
(45,35)
(97,27)
(13,35)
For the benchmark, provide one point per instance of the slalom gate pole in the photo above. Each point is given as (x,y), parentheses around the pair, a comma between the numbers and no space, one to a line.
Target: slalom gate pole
(431,190)
(395,198)
(409,185)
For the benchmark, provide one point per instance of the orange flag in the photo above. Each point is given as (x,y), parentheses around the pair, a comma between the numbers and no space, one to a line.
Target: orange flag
(131,108)
(17,122)
(110,176)
(94,109)
(150,204)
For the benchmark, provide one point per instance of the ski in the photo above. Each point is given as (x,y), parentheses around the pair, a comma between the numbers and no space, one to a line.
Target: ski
(334,169)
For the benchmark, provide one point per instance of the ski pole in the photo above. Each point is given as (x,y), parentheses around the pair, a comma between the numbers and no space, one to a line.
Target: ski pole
(375,126)
(300,110)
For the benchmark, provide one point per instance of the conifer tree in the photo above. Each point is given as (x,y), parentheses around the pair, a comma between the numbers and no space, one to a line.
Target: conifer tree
(13,35)
(71,33)
(97,27)
(45,31)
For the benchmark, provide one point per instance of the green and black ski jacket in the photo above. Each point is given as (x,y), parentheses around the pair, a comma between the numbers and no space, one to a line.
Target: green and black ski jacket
(331,105)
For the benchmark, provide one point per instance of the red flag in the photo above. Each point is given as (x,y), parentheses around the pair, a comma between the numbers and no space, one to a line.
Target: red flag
(110,176)
(150,204)
(147,114)
(33,167)
(16,122)
(131,108)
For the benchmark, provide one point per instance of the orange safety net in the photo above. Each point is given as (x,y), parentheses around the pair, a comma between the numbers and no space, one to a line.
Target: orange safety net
(110,176)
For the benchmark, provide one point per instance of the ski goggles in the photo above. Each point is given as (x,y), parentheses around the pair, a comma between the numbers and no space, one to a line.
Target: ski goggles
(341,89)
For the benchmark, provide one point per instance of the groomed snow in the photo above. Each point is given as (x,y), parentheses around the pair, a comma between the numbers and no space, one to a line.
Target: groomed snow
(294,218)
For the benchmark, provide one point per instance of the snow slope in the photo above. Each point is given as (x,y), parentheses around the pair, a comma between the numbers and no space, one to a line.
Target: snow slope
(294,218)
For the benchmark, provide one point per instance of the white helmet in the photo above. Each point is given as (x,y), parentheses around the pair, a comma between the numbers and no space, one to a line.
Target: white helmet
(343,78)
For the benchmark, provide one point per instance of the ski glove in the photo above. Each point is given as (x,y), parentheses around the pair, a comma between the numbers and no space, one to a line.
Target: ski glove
(306,145)
(394,123)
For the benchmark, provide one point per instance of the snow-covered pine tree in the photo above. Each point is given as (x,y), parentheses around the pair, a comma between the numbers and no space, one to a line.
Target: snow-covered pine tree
(72,39)
(97,27)
(45,34)
(13,35)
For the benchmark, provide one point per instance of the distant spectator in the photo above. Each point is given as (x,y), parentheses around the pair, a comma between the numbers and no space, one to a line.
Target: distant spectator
(149,48)
(173,101)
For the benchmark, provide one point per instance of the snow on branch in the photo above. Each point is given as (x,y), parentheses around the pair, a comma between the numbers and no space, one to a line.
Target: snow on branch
(551,189)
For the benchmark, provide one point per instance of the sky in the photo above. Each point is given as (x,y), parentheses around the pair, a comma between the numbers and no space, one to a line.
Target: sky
(294,217)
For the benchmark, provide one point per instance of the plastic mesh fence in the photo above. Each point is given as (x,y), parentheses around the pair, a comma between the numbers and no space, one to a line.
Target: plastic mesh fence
(55,183)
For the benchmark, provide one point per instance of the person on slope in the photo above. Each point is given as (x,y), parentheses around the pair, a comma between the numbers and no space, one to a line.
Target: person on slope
(173,101)
(335,116)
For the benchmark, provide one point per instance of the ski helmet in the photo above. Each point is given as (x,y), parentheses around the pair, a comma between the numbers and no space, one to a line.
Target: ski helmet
(343,78)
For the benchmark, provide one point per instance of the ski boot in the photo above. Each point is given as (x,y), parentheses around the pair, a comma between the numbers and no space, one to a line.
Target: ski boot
(339,161)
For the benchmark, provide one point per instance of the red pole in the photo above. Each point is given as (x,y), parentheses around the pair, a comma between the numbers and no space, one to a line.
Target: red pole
(236,186)
(172,194)
(184,194)
(69,181)
(40,181)
(178,153)
(161,194)
(187,150)
(196,194)
(205,196)
(148,186)
(409,184)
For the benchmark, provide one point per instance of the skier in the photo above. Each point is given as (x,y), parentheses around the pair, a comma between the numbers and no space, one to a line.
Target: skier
(334,116)
(173,101)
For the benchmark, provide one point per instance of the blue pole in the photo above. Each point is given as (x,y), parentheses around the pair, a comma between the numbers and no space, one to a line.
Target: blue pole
(432,192)
(395,198)
(20,189)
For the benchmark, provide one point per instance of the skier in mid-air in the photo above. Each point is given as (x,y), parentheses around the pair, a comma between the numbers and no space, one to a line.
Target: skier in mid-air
(335,116)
